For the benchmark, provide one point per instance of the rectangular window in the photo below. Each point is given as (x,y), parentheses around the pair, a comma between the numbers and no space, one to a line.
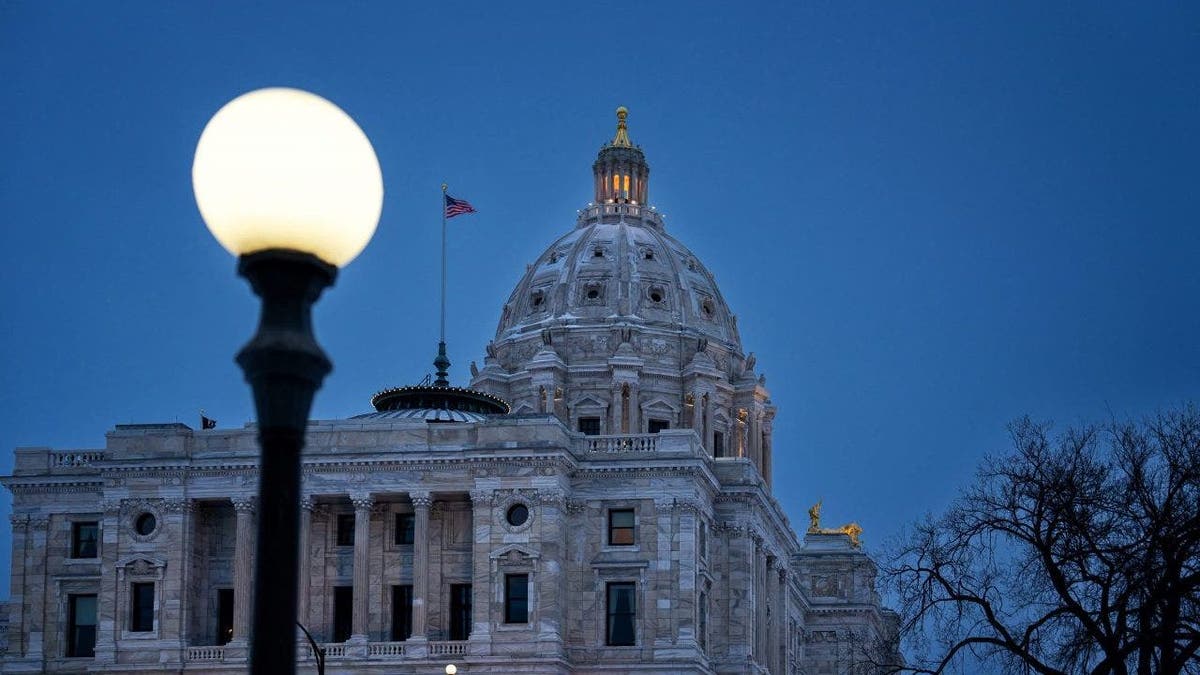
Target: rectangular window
(404,529)
(401,613)
(589,426)
(655,426)
(718,444)
(345,529)
(224,615)
(516,598)
(141,608)
(460,611)
(620,527)
(81,625)
(84,537)
(343,612)
(622,614)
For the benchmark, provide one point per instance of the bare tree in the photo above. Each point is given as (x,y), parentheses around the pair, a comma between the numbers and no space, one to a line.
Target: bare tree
(1075,553)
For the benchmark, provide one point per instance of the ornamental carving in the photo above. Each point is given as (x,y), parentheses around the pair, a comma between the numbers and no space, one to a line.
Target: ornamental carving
(551,497)
(141,565)
(243,504)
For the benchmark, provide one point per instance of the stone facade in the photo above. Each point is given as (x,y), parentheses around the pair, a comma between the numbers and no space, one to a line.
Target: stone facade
(620,520)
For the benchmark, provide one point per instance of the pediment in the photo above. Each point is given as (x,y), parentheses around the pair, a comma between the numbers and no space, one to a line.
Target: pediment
(660,404)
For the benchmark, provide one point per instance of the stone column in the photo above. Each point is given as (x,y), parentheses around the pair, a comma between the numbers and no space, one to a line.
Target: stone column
(481,572)
(19,612)
(243,568)
(550,602)
(177,586)
(421,503)
(781,617)
(302,607)
(740,570)
(106,599)
(362,556)
(635,409)
(35,570)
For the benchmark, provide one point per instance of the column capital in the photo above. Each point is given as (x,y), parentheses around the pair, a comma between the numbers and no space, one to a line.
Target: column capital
(362,501)
(481,497)
(179,505)
(421,499)
(308,503)
(19,520)
(243,503)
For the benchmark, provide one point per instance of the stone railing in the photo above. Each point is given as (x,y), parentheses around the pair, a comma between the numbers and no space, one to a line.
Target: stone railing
(613,211)
(448,648)
(78,458)
(335,650)
(213,653)
(625,443)
(386,649)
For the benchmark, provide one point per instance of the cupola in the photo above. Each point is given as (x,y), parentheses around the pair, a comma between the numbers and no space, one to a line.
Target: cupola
(621,172)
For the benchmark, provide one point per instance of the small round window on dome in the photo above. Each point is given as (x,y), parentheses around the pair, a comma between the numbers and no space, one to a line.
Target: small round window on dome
(145,524)
(593,293)
(707,308)
(597,252)
(656,295)
(517,515)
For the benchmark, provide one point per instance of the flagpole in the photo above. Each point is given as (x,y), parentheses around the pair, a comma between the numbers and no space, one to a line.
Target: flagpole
(442,331)
(442,362)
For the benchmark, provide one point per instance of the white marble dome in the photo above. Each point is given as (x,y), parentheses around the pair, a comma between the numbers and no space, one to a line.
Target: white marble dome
(619,265)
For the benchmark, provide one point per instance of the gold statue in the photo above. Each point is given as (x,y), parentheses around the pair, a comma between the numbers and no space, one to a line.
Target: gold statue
(851,530)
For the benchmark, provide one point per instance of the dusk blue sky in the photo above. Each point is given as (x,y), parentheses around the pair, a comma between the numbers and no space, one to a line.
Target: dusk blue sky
(929,218)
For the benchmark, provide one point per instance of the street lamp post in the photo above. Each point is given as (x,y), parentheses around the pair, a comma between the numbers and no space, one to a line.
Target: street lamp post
(289,183)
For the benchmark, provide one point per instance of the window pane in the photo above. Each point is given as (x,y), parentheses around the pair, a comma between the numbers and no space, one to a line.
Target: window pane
(460,611)
(343,612)
(81,629)
(224,615)
(621,614)
(589,426)
(83,540)
(404,528)
(345,529)
(516,598)
(141,607)
(620,527)
(401,612)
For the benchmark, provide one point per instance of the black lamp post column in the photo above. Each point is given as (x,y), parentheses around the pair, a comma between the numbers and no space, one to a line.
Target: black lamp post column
(285,366)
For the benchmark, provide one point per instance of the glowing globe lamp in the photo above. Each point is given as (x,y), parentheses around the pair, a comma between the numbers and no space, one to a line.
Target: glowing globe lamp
(287,182)
(285,169)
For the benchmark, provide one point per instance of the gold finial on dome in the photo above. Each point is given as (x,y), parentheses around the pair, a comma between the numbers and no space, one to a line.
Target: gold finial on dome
(622,138)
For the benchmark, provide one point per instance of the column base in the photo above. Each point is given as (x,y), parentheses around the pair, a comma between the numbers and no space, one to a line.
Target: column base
(237,649)
(417,645)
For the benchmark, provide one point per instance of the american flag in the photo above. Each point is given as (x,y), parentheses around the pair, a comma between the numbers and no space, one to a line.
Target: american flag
(457,207)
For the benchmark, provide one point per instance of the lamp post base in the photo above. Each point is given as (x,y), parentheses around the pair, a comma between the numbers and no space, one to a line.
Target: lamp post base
(285,366)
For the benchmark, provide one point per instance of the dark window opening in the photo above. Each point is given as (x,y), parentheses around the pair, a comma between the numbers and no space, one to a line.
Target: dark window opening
(141,608)
(343,612)
(649,255)
(593,294)
(656,295)
(620,527)
(516,598)
(589,426)
(518,514)
(345,529)
(224,615)
(655,426)
(81,625)
(401,613)
(621,615)
(460,611)
(405,524)
(84,539)
(145,524)
(718,444)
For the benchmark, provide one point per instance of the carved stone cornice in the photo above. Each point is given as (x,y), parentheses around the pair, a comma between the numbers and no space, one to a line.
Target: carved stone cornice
(551,497)
(178,505)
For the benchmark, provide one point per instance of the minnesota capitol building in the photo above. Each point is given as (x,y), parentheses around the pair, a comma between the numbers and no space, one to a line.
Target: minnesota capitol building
(599,500)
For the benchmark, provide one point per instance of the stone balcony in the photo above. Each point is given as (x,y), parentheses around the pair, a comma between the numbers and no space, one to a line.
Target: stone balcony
(611,213)
(346,653)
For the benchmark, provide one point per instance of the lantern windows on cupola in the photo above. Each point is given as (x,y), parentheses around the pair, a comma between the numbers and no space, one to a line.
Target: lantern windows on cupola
(620,169)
